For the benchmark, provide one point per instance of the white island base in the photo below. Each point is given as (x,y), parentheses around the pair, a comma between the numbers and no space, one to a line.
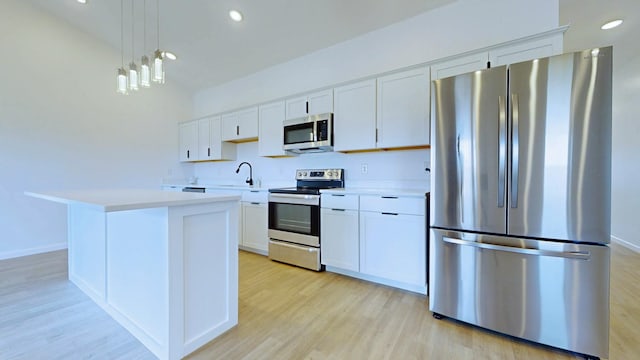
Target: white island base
(164,266)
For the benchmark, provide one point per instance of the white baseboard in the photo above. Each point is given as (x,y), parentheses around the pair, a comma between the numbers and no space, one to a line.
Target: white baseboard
(627,244)
(32,251)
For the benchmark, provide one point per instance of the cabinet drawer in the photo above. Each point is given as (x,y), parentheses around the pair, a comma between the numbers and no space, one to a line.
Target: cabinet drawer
(339,201)
(393,204)
(255,196)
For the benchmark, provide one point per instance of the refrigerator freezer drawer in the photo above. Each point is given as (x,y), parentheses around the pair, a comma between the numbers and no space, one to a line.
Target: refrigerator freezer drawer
(548,292)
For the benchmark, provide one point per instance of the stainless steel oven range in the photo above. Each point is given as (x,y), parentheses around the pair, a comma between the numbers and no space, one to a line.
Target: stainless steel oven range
(294,217)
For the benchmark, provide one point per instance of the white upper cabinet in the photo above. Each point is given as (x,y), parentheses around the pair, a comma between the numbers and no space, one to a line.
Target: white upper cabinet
(270,137)
(389,112)
(403,109)
(527,50)
(315,103)
(218,149)
(204,139)
(541,46)
(354,119)
(459,65)
(201,140)
(189,141)
(240,125)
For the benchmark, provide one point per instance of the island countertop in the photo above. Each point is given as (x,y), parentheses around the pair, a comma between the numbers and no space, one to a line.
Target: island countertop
(109,200)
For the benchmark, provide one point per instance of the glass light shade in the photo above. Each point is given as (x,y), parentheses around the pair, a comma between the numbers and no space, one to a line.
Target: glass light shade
(145,72)
(133,76)
(122,81)
(158,67)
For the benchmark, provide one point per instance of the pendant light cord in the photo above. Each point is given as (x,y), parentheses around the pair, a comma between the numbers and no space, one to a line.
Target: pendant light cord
(158,21)
(144,26)
(132,51)
(122,32)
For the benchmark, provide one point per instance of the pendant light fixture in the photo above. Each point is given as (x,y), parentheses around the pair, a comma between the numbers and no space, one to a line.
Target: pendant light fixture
(122,73)
(158,55)
(150,69)
(145,68)
(133,68)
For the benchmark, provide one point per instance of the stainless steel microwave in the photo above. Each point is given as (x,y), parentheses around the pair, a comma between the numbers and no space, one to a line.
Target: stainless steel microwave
(313,133)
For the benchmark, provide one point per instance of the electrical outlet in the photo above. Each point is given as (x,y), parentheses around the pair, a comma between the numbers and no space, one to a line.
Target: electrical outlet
(364,168)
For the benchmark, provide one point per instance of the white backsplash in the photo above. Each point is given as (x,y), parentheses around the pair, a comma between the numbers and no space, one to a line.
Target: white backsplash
(385,169)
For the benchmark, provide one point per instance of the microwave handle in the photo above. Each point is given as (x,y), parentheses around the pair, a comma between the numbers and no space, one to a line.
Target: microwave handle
(315,131)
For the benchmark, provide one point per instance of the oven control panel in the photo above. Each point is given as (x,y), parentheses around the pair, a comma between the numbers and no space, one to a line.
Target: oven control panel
(320,174)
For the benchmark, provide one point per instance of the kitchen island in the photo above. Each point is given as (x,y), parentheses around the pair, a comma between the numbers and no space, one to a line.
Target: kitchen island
(162,264)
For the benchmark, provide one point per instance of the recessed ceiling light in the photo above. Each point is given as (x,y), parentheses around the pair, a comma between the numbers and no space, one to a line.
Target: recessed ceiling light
(82,1)
(235,15)
(611,24)
(169,55)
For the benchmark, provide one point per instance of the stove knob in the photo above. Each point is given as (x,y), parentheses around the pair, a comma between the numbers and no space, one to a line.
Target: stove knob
(299,173)
(331,173)
(304,173)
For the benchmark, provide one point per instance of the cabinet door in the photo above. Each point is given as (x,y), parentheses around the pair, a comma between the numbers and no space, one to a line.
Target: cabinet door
(393,247)
(354,119)
(403,109)
(459,65)
(247,124)
(525,51)
(320,102)
(220,150)
(271,135)
(254,226)
(204,139)
(296,107)
(189,141)
(230,130)
(339,240)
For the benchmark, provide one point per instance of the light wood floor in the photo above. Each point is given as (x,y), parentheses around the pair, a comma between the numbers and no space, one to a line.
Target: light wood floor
(285,313)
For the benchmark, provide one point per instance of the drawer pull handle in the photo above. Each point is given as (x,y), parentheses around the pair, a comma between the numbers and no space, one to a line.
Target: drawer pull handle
(389,197)
(388,213)
(337,194)
(337,209)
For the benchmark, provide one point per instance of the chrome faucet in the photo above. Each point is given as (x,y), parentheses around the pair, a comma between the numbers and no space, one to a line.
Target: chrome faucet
(250,178)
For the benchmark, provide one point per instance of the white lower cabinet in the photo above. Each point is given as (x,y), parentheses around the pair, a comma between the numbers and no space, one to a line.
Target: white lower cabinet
(339,238)
(393,242)
(393,246)
(255,236)
(340,246)
(376,238)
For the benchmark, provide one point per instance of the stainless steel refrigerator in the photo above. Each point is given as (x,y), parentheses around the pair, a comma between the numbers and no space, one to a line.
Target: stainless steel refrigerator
(520,200)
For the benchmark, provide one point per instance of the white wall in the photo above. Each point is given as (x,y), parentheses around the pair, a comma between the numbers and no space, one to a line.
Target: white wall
(63,126)
(456,28)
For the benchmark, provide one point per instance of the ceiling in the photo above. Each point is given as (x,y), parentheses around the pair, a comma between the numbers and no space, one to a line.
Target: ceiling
(212,49)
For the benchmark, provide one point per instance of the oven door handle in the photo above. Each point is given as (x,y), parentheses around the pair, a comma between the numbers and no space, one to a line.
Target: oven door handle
(295,199)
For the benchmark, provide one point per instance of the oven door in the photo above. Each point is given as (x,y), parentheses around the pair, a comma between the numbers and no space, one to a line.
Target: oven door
(295,218)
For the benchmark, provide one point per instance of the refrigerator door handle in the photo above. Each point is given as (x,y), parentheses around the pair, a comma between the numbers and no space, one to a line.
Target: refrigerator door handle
(502,149)
(515,149)
(577,255)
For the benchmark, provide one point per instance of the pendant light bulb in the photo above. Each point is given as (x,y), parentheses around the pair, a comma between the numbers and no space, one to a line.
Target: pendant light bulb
(133,76)
(158,67)
(122,81)
(145,72)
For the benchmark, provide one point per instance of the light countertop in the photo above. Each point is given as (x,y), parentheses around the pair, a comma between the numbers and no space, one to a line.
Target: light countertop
(130,199)
(377,191)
